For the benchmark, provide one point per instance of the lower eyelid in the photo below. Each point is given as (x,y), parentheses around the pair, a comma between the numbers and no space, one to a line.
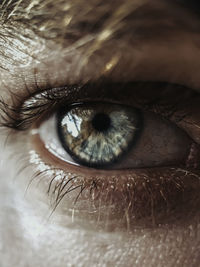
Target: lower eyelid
(121,199)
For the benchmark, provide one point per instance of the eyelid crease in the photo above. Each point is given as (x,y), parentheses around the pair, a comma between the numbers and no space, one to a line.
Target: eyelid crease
(23,113)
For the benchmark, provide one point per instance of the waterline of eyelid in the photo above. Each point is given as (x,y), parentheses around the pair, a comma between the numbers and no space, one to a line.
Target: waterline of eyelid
(63,183)
(46,172)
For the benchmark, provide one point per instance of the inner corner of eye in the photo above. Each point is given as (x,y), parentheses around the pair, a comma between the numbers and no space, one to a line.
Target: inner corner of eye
(112,136)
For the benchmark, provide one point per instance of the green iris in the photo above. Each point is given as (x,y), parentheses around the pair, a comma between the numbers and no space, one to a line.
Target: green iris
(98,134)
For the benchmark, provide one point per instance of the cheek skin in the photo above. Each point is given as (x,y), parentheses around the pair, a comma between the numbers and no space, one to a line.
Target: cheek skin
(37,240)
(34,238)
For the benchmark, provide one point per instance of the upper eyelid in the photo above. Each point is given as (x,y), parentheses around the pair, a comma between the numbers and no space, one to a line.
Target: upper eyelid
(16,114)
(20,116)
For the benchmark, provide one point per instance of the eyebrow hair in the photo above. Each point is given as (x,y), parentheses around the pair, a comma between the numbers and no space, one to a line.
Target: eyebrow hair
(69,23)
(26,8)
(73,20)
(79,23)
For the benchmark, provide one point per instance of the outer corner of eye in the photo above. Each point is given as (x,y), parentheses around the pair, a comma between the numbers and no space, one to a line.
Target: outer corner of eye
(113,136)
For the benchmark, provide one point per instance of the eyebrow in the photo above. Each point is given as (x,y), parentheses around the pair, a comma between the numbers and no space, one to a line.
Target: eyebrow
(73,21)
(66,19)
(27,8)
(48,21)
(85,23)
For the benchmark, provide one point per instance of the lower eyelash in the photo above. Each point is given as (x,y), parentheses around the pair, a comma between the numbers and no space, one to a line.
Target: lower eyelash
(61,186)
(63,183)
(141,198)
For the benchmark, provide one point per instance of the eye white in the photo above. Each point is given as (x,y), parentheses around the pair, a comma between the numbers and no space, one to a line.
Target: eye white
(48,134)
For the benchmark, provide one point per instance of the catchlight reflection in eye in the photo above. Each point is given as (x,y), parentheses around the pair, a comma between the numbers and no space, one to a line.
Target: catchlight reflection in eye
(113,136)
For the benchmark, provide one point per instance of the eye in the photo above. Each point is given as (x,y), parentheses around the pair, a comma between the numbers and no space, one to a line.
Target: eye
(115,160)
(97,135)
(113,136)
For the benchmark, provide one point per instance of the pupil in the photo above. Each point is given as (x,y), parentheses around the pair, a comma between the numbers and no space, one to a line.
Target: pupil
(101,122)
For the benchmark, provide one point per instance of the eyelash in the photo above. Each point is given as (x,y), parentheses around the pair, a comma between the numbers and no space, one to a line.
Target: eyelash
(61,185)
(56,174)
(20,117)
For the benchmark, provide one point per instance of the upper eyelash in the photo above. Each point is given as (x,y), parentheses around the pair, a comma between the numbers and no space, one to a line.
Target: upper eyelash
(22,113)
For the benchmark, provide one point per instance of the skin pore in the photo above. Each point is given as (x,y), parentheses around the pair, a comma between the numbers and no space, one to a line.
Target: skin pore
(53,44)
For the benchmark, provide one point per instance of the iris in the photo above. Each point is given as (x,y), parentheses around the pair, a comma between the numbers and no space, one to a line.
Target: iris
(97,135)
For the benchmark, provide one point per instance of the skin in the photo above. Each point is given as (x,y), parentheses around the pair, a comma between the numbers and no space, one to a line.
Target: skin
(28,236)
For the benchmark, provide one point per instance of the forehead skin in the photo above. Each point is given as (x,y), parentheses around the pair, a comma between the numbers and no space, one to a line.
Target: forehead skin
(96,26)
(84,33)
(69,19)
(63,17)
